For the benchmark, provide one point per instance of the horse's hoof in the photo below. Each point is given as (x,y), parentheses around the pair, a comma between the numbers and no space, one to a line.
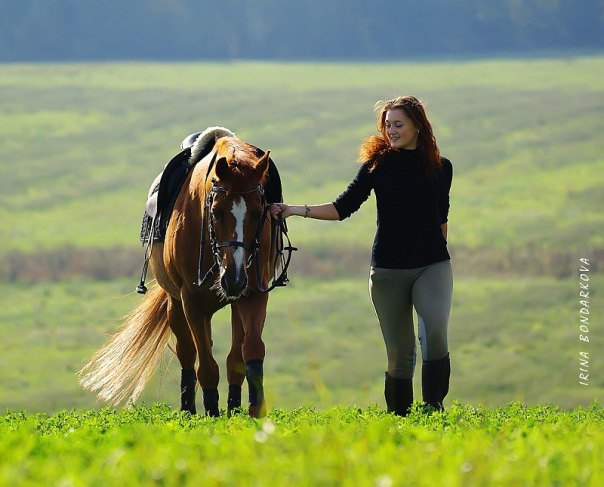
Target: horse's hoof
(191,411)
(234,399)
(210,402)
(257,411)
(212,413)
(233,411)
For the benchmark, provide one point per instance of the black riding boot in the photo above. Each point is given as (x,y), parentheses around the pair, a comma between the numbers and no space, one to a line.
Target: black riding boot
(398,394)
(234,399)
(210,402)
(435,381)
(254,373)
(188,381)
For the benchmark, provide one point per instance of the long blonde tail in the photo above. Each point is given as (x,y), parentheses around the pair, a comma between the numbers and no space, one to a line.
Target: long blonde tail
(120,370)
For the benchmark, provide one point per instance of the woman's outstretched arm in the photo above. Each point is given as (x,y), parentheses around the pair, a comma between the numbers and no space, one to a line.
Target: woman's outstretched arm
(326,211)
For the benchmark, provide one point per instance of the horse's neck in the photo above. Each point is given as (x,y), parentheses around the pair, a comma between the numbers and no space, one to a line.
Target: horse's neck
(205,162)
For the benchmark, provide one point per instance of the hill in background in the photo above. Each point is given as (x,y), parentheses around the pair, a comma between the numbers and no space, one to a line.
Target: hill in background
(62,30)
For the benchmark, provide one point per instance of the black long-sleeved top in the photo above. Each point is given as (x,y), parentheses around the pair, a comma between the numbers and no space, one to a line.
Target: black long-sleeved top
(410,209)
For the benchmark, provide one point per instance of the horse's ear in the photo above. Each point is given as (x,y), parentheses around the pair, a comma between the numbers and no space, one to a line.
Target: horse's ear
(262,164)
(222,168)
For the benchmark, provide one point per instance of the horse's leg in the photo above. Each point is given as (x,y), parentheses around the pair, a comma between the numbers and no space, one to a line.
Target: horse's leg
(252,312)
(235,363)
(207,372)
(185,351)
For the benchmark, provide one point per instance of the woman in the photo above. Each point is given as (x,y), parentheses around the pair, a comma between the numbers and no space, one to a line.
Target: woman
(410,264)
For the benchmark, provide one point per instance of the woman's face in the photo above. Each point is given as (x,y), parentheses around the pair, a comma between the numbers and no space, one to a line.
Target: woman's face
(400,129)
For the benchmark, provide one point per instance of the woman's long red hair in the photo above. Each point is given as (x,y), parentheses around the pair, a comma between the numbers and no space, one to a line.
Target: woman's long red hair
(374,148)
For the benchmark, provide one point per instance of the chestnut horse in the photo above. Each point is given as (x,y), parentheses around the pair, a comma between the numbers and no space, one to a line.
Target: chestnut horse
(217,251)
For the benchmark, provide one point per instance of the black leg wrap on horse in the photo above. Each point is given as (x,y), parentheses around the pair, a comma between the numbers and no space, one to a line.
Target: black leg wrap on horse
(254,373)
(188,382)
(234,399)
(398,394)
(435,381)
(210,402)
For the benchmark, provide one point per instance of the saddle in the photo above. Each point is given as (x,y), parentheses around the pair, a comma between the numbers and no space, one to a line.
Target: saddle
(167,185)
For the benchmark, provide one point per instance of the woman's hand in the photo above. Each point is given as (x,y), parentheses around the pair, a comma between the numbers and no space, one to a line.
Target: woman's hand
(326,211)
(280,209)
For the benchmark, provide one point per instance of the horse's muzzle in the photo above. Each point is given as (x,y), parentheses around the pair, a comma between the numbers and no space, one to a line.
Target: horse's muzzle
(233,288)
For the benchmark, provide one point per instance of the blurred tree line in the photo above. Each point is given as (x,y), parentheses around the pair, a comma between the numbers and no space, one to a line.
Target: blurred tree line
(59,30)
(318,262)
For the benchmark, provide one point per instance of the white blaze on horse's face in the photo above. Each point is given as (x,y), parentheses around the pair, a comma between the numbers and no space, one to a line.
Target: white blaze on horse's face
(233,277)
(239,210)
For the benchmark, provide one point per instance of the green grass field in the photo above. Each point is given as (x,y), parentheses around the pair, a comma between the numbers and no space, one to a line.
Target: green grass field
(80,144)
(510,339)
(154,445)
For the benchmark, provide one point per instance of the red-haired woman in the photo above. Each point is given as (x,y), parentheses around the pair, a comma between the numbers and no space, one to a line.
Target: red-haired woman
(410,265)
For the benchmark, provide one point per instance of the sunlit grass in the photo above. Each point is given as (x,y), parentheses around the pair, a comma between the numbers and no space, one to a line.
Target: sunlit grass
(466,445)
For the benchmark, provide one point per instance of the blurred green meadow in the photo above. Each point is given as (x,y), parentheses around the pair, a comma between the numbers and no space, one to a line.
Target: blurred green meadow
(510,339)
(81,143)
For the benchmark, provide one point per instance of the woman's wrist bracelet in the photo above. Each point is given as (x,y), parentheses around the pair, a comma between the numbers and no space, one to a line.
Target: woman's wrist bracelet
(306,211)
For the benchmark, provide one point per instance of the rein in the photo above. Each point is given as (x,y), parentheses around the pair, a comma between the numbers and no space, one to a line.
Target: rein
(282,280)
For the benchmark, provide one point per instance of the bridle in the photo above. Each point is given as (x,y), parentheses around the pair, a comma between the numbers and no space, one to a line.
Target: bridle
(216,246)
(253,248)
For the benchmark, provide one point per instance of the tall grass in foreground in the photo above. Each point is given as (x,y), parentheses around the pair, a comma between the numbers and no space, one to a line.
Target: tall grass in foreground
(155,445)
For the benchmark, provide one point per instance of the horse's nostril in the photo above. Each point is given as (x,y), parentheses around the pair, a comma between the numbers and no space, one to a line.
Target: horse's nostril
(234,287)
(224,283)
(239,285)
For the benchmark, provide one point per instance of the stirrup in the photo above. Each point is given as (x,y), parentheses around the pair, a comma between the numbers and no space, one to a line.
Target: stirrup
(141,288)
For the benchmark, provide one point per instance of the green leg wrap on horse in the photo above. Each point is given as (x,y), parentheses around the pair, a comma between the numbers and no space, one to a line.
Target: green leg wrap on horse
(188,382)
(254,373)
(234,399)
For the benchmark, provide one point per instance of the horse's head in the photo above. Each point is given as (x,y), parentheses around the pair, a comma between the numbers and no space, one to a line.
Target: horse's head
(236,206)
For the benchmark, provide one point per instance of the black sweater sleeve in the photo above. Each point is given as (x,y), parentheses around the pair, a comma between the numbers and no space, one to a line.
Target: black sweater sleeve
(355,195)
(443,202)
